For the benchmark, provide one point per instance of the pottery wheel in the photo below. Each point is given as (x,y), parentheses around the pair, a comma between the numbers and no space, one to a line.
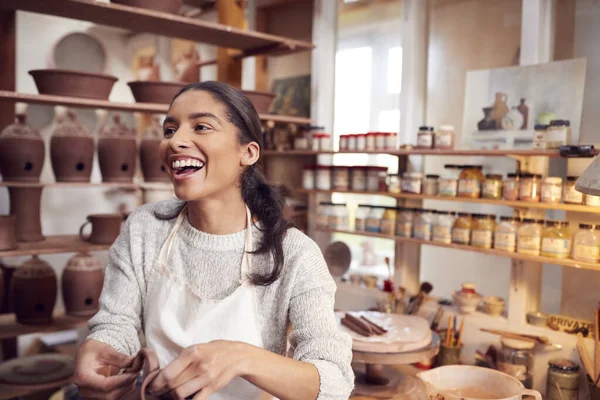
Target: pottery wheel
(42,368)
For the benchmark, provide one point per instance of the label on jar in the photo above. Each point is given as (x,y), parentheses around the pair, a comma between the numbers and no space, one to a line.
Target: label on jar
(505,241)
(373,225)
(372,183)
(528,191)
(556,247)
(324,180)
(481,238)
(404,229)
(461,235)
(425,140)
(442,234)
(470,187)
(511,190)
(516,371)
(411,186)
(584,252)
(447,187)
(443,140)
(387,226)
(423,231)
(359,181)
(491,189)
(340,179)
(551,193)
(529,245)
(360,224)
(573,196)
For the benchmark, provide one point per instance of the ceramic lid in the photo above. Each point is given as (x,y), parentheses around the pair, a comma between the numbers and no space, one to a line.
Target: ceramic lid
(34,268)
(154,131)
(118,130)
(516,344)
(20,129)
(69,126)
(84,261)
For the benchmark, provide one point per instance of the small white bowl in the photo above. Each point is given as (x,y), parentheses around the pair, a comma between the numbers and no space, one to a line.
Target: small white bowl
(493,306)
(467,302)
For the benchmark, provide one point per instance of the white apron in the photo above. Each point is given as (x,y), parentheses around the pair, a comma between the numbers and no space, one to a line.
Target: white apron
(176,318)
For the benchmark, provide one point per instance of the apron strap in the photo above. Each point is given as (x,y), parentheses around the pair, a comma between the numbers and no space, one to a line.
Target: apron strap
(166,249)
(246,260)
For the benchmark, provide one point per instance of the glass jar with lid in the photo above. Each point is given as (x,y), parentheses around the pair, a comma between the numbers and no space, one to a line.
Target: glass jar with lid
(558,134)
(371,140)
(391,141)
(358,178)
(482,230)
(556,239)
(563,380)
(380,141)
(412,182)
(469,181)
(448,183)
(324,211)
(308,177)
(361,142)
(511,187)
(539,137)
(341,178)
(394,183)
(431,185)
(388,221)
(423,224)
(360,218)
(352,142)
(461,229)
(442,226)
(338,216)
(444,137)
(425,137)
(323,177)
(516,359)
(505,235)
(552,189)
(374,219)
(492,186)
(343,142)
(376,179)
(586,244)
(530,187)
(570,195)
(529,237)
(404,222)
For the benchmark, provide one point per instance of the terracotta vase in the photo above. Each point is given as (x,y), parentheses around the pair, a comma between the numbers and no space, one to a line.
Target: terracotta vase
(71,150)
(21,152)
(8,232)
(105,228)
(82,282)
(33,292)
(152,166)
(25,204)
(117,150)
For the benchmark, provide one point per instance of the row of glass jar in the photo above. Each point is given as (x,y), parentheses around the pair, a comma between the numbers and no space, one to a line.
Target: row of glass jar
(511,234)
(427,138)
(369,141)
(326,177)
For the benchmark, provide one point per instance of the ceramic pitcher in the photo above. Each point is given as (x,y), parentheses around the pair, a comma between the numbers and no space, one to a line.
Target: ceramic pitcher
(460,382)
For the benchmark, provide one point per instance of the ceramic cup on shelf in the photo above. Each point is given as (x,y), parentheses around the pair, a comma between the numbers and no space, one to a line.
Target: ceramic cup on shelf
(33,292)
(467,299)
(8,232)
(82,282)
(105,228)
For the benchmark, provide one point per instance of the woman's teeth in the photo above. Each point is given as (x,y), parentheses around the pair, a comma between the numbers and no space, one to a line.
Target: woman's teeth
(187,163)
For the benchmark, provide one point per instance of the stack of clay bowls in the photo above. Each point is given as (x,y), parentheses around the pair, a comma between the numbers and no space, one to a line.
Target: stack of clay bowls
(261,100)
(152,166)
(71,150)
(82,282)
(117,150)
(33,292)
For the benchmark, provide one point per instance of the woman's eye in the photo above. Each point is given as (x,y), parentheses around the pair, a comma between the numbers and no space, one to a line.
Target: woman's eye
(169,131)
(201,127)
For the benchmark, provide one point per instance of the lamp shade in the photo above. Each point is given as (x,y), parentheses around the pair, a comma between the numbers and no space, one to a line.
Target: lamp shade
(589,181)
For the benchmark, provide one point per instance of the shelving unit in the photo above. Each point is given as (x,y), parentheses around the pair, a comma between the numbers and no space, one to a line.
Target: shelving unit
(54,245)
(10,328)
(429,152)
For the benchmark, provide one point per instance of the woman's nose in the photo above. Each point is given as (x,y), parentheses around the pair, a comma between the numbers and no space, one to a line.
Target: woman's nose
(179,141)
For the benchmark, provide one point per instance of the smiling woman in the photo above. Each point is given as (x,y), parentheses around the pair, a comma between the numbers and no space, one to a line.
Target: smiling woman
(214,279)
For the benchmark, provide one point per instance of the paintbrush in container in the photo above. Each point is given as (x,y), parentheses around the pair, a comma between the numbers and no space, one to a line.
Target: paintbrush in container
(415,304)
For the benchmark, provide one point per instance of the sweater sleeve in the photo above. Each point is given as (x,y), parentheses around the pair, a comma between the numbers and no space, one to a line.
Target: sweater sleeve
(316,337)
(118,322)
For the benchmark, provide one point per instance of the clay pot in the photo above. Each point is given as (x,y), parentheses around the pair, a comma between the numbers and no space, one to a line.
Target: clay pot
(105,228)
(21,152)
(82,282)
(168,6)
(61,82)
(155,92)
(261,100)
(8,232)
(71,151)
(152,166)
(33,292)
(25,204)
(117,150)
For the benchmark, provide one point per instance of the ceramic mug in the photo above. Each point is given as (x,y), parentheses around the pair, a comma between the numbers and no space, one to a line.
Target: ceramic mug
(105,228)
(460,382)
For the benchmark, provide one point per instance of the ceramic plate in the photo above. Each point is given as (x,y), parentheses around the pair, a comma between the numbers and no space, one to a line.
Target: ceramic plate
(38,369)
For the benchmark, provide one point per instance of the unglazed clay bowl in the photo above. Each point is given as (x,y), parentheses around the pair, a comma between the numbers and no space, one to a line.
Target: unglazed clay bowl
(261,100)
(467,303)
(537,318)
(168,6)
(155,92)
(493,306)
(62,82)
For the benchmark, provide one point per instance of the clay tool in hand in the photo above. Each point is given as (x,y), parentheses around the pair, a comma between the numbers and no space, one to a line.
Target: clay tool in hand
(586,360)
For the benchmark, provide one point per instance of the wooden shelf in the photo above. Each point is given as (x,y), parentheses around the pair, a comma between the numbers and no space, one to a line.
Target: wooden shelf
(515,256)
(74,184)
(54,245)
(125,107)
(506,203)
(9,327)
(143,20)
(293,153)
(431,152)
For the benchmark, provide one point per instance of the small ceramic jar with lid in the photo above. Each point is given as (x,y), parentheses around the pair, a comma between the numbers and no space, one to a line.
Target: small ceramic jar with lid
(324,210)
(360,218)
(461,229)
(361,142)
(376,179)
(308,177)
(482,230)
(556,239)
(448,183)
(343,142)
(358,179)
(380,141)
(338,216)
(492,187)
(391,141)
(425,137)
(442,226)
(563,380)
(516,359)
(529,237)
(394,183)
(570,195)
(552,189)
(539,137)
(557,134)
(404,222)
(530,187)
(371,139)
(467,299)
(431,185)
(388,221)
(340,178)
(505,235)
(511,187)
(586,244)
(444,137)
(323,177)
(470,180)
(412,182)
(352,142)
(423,226)
(325,143)
(374,219)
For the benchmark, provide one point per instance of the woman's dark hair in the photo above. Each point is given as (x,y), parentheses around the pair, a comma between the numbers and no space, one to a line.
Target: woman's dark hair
(264,201)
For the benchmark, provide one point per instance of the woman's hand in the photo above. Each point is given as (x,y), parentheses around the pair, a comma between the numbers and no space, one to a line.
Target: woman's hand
(95,360)
(201,370)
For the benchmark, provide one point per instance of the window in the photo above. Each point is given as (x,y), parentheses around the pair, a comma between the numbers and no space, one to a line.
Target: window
(388,121)
(394,70)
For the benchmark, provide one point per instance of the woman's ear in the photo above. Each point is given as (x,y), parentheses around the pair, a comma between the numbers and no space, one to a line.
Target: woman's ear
(251,153)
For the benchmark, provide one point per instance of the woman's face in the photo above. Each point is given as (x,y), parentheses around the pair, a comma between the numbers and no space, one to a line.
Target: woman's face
(200,149)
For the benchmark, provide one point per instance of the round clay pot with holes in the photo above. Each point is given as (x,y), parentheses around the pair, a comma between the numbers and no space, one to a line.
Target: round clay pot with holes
(8,232)
(117,151)
(152,166)
(21,152)
(25,205)
(82,282)
(71,150)
(33,292)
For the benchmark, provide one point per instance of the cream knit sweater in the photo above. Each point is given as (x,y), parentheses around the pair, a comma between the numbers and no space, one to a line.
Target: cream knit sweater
(303,295)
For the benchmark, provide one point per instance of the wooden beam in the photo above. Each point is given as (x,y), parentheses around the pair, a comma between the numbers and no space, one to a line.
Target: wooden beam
(261,80)
(229,69)
(564,34)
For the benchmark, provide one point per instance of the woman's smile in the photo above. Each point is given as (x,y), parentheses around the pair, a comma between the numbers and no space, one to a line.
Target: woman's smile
(183,167)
